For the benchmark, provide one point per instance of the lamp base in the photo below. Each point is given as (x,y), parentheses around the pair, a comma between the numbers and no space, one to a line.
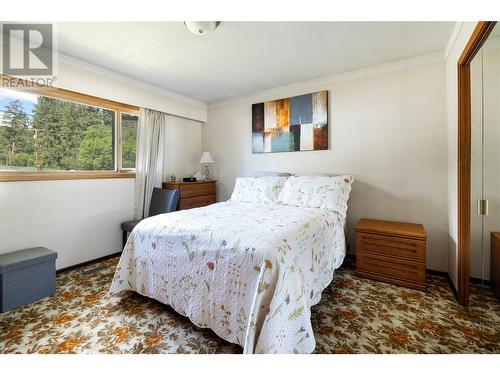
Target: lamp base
(207,172)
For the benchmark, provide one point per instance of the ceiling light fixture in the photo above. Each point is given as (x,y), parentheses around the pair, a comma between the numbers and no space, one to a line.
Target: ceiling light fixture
(202,27)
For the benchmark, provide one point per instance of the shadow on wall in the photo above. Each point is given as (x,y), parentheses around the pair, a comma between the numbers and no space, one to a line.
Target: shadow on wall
(223,190)
(452,260)
(92,248)
(372,202)
(369,201)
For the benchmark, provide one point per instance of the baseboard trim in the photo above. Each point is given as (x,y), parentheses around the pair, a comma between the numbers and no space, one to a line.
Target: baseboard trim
(106,257)
(452,287)
(479,280)
(438,273)
(448,278)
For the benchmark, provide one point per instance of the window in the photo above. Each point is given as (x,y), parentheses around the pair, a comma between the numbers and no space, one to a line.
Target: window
(62,132)
(129,135)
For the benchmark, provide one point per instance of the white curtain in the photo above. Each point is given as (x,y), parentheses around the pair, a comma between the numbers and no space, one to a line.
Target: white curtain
(149,158)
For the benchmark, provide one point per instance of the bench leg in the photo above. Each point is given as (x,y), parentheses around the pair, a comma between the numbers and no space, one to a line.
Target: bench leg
(124,239)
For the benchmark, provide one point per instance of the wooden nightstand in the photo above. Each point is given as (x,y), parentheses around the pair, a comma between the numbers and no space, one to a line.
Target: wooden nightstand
(391,251)
(193,194)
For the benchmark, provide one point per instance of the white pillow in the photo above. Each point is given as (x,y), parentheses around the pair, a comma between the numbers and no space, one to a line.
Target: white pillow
(257,189)
(317,191)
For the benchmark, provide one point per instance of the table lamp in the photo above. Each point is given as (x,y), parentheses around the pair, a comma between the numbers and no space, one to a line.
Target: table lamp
(206,159)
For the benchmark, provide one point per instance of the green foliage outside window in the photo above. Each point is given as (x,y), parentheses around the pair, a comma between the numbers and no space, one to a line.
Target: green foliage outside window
(96,149)
(62,135)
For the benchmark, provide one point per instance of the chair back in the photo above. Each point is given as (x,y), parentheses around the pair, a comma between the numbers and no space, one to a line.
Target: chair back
(163,201)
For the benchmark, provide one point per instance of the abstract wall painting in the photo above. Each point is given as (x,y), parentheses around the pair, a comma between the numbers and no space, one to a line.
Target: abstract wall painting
(299,123)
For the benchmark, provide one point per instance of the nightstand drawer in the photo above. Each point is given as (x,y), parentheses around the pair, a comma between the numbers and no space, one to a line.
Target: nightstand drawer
(391,246)
(391,267)
(194,202)
(197,190)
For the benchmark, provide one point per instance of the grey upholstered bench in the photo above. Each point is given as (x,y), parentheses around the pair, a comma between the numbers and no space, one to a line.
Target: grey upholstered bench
(26,276)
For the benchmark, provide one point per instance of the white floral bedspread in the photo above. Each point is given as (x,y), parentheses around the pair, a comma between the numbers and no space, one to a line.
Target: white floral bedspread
(248,271)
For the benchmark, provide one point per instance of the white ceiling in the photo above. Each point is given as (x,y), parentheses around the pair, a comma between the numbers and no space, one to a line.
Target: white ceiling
(244,57)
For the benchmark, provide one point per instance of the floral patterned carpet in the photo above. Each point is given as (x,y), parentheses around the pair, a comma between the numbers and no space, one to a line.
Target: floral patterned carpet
(355,315)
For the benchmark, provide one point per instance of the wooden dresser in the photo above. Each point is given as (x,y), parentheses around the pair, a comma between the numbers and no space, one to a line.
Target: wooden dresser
(495,263)
(391,251)
(193,194)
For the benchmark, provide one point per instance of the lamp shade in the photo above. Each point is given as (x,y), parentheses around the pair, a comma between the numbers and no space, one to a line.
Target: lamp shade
(206,158)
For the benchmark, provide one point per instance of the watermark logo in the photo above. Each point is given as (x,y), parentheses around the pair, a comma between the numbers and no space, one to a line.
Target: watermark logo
(28,51)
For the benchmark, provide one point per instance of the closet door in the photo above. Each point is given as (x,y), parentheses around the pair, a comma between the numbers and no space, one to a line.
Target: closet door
(489,207)
(491,159)
(484,302)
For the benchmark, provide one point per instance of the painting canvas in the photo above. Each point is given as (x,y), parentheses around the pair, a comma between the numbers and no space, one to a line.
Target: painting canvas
(299,123)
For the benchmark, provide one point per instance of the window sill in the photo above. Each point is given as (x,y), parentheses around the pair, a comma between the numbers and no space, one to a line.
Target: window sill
(45,176)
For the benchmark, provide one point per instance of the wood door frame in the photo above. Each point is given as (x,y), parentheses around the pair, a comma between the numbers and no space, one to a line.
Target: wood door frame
(476,41)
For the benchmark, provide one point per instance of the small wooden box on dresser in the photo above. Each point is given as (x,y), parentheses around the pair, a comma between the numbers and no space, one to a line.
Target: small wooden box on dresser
(391,251)
(193,194)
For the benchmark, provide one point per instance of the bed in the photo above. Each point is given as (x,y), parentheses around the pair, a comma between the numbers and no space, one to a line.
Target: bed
(248,271)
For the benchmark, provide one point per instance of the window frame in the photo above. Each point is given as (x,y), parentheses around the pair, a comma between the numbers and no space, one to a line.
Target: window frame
(73,96)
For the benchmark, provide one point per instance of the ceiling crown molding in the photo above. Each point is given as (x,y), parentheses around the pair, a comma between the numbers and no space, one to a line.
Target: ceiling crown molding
(324,82)
(65,59)
(453,38)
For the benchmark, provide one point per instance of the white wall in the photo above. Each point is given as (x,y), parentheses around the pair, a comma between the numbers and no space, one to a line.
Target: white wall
(456,47)
(182,148)
(387,129)
(80,219)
